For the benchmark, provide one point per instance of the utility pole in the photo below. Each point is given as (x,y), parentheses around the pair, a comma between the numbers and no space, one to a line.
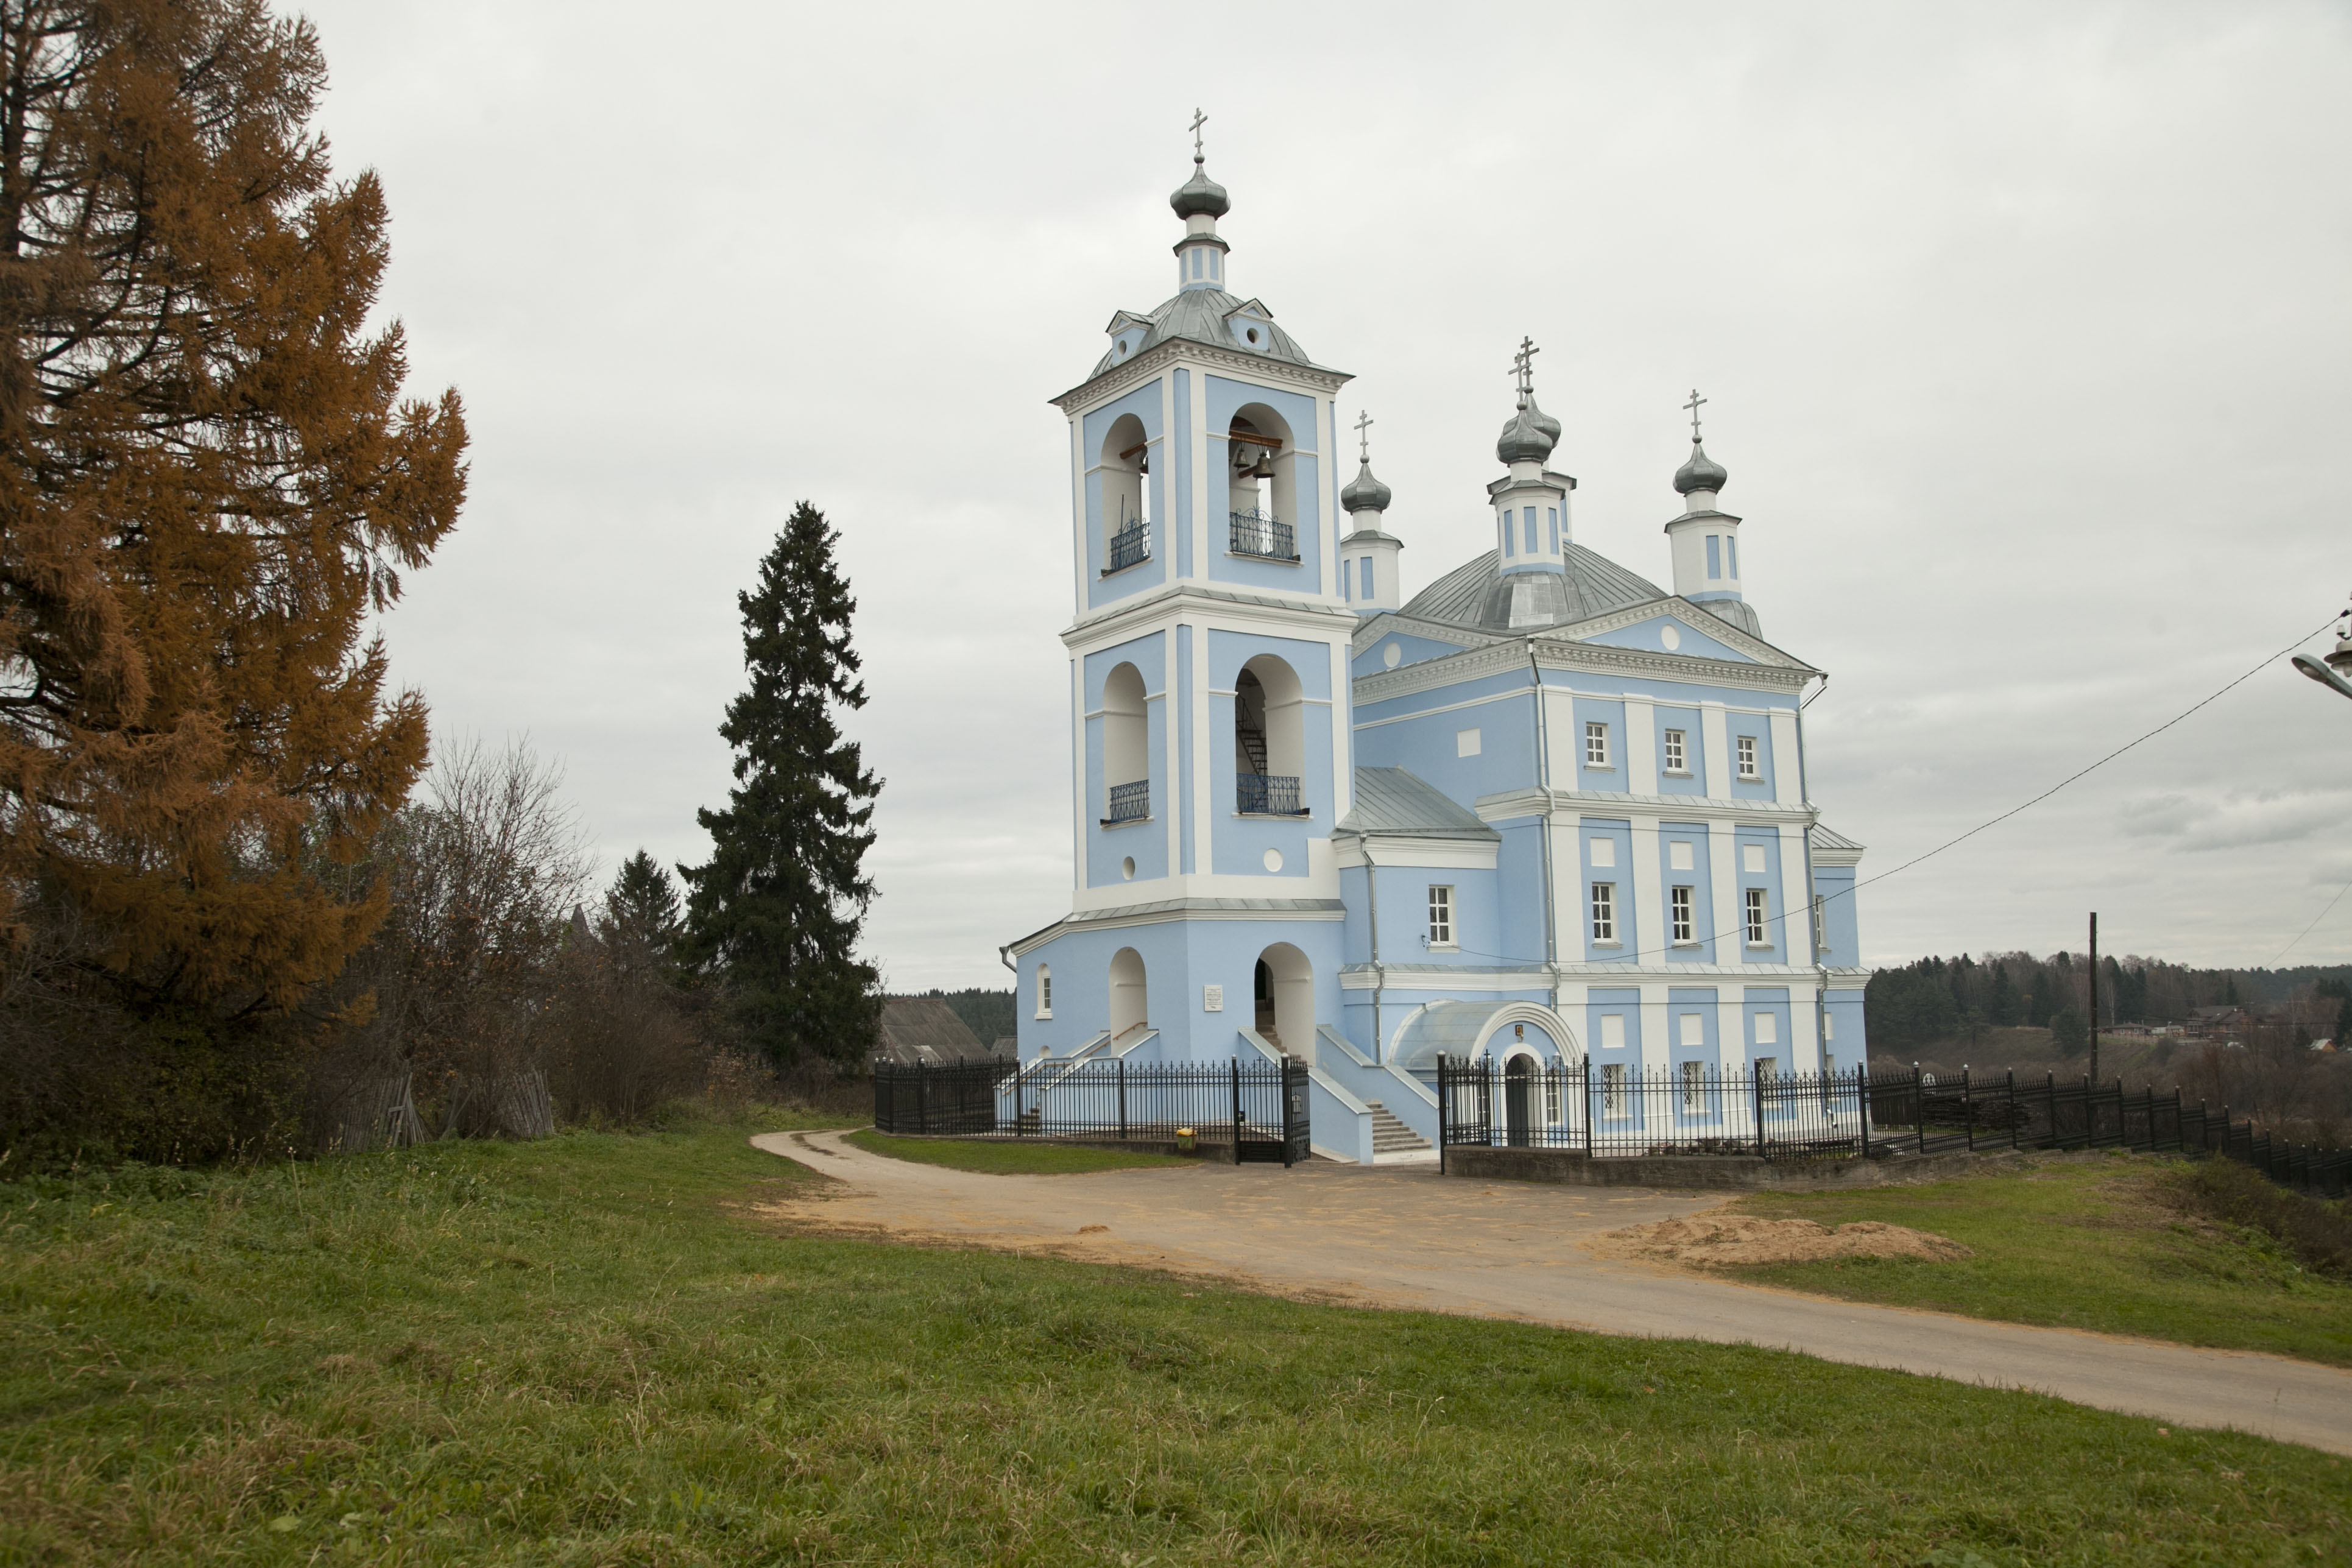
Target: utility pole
(2094,998)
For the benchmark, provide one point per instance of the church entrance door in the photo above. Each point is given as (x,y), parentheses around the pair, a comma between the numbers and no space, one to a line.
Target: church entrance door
(1518,1117)
(1261,990)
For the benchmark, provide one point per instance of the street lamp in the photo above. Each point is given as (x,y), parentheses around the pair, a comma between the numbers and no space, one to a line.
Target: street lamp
(2336,673)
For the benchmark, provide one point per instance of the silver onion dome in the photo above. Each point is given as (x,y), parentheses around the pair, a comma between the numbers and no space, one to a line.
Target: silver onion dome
(1199,194)
(1530,437)
(1700,473)
(1364,493)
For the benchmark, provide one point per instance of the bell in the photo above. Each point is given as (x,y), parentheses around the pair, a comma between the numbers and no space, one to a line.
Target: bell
(1263,468)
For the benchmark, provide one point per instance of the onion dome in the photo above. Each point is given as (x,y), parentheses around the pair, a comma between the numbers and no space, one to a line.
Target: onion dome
(1199,194)
(1701,473)
(1530,437)
(1364,493)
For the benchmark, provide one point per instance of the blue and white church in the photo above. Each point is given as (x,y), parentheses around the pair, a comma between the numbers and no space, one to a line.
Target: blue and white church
(1545,808)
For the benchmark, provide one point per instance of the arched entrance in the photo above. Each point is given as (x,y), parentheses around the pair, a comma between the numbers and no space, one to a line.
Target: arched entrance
(1518,1101)
(1127,991)
(1282,989)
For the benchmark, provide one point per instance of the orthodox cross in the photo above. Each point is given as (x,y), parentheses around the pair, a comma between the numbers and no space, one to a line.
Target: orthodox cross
(1523,365)
(1693,405)
(1363,424)
(1199,120)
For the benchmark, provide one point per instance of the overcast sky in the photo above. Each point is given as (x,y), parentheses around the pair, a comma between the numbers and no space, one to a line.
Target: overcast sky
(2025,326)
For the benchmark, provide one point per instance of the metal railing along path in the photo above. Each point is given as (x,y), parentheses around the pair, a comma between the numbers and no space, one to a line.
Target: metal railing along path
(1257,1108)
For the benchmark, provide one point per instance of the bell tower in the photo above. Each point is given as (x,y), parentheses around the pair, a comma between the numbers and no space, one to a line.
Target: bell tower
(1368,557)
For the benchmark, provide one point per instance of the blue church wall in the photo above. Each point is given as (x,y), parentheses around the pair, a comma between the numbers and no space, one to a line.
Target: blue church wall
(1411,649)
(1693,780)
(1776,940)
(1693,1031)
(1145,841)
(1618,873)
(1621,1041)
(1185,742)
(1699,877)
(1518,929)
(1144,404)
(1834,884)
(1404,907)
(1238,844)
(1759,1003)
(1431,743)
(1306,576)
(1846,1047)
(1649,635)
(1179,959)
(1611,777)
(1759,726)
(1180,468)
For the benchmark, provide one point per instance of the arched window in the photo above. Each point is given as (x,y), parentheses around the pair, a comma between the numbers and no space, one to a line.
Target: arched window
(1127,991)
(1045,991)
(1126,747)
(1126,462)
(1284,988)
(1269,739)
(1262,460)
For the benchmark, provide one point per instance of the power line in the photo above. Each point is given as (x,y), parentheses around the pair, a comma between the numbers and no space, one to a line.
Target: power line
(2314,926)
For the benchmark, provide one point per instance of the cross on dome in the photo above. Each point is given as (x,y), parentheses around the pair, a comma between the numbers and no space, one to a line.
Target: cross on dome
(1199,120)
(1523,367)
(1364,448)
(1692,408)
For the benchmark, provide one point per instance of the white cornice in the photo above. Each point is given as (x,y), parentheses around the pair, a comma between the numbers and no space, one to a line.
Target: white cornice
(1566,805)
(1554,653)
(1685,612)
(1493,655)
(1389,621)
(1084,398)
(1118,622)
(1434,674)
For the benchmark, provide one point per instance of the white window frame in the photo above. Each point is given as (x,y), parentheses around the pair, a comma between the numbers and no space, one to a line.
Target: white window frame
(1551,1106)
(1759,915)
(1441,915)
(1045,991)
(1767,1067)
(1694,1075)
(1681,901)
(1821,924)
(1677,756)
(1612,1088)
(1604,914)
(1749,772)
(1596,743)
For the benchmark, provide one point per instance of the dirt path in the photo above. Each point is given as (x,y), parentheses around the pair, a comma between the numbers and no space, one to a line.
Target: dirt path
(1405,1237)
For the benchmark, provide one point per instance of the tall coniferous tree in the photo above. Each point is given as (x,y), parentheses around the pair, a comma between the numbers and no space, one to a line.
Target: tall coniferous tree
(777,910)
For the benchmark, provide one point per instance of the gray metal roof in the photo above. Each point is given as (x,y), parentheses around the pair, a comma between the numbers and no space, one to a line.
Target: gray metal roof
(1734,612)
(1450,1028)
(925,1029)
(1199,316)
(1594,585)
(1390,800)
(1823,838)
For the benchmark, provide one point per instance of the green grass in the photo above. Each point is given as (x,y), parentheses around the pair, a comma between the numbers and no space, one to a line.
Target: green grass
(599,1349)
(2083,1243)
(1009,1159)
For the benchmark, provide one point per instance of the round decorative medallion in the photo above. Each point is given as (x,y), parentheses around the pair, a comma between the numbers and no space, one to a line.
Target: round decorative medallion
(1274,859)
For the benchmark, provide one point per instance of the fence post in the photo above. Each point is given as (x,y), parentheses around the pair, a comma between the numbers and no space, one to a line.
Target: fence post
(1584,1073)
(1122,1100)
(1969,1106)
(1919,1107)
(1237,1108)
(1441,1113)
(922,1099)
(1861,1104)
(1287,1063)
(1020,1121)
(2016,1133)
(1756,1086)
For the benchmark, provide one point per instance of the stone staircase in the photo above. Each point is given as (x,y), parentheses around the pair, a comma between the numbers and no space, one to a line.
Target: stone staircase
(1393,1142)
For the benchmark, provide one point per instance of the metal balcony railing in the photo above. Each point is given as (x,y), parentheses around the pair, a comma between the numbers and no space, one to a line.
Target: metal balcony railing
(1260,534)
(1131,802)
(1129,546)
(1267,794)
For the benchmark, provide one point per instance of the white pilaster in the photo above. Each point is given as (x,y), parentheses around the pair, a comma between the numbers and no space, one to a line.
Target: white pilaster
(1788,787)
(1649,894)
(1723,872)
(1714,736)
(1640,746)
(1796,898)
(1657,1045)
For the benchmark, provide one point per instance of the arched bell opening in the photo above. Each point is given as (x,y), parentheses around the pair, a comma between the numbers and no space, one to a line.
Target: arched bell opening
(1269,739)
(1282,989)
(1262,473)
(1126,747)
(1128,1007)
(1125,461)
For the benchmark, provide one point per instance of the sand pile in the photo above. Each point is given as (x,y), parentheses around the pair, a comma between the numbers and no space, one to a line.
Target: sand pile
(1724,1239)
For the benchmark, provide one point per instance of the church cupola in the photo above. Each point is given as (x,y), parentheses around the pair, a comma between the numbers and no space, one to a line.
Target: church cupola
(1705,539)
(1532,587)
(1200,202)
(1368,557)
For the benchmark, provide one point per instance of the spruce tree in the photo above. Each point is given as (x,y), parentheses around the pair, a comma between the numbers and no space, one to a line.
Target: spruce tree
(641,922)
(776,912)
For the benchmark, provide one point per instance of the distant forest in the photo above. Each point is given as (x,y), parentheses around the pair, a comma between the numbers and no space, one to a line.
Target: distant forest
(1936,998)
(987,1013)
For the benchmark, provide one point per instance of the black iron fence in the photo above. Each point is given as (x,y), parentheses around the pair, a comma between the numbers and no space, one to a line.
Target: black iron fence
(1269,794)
(1264,536)
(1257,1110)
(1611,1111)
(1131,802)
(1129,546)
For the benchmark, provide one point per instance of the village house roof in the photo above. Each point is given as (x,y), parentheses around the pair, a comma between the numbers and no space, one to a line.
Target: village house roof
(926,1030)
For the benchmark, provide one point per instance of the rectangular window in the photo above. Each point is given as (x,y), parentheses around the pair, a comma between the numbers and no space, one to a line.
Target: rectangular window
(1693,1027)
(1747,758)
(1767,1067)
(1551,523)
(1044,992)
(1693,1085)
(1677,759)
(1684,929)
(1821,925)
(1366,566)
(1731,548)
(1714,556)
(1612,1088)
(1596,745)
(1829,1032)
(1680,856)
(1509,538)
(1528,515)
(1440,917)
(1604,912)
(1196,262)
(1551,1096)
(1768,1028)
(1612,1031)
(1756,918)
(1346,578)
(1604,851)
